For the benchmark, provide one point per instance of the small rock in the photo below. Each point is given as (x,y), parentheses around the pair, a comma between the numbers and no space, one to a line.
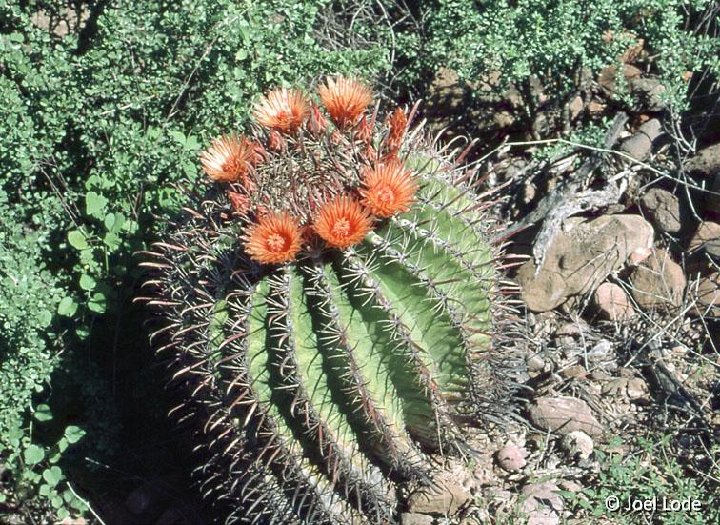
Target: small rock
(706,163)
(615,386)
(612,302)
(563,415)
(503,119)
(707,238)
(570,486)
(512,458)
(574,371)
(708,295)
(601,351)
(411,518)
(658,283)
(648,92)
(712,204)
(543,504)
(607,76)
(663,208)
(596,107)
(575,107)
(581,257)
(577,445)
(639,145)
(535,364)
(572,328)
(636,389)
(444,496)
(639,256)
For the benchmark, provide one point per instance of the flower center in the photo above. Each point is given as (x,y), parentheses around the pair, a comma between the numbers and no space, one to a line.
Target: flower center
(231,165)
(386,195)
(283,118)
(276,242)
(341,228)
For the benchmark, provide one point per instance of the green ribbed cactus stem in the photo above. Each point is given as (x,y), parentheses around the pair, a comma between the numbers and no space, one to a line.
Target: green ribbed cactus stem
(320,375)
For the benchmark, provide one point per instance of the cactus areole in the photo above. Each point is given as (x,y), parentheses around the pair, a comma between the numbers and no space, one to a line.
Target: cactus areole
(329,305)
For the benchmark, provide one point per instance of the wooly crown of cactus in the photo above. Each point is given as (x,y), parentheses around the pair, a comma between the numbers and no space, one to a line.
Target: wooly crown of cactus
(330,307)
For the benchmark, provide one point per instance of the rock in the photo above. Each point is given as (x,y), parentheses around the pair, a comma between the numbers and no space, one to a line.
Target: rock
(607,76)
(663,208)
(708,295)
(570,485)
(563,415)
(577,445)
(543,504)
(575,107)
(596,107)
(707,238)
(581,257)
(639,144)
(601,351)
(706,163)
(648,92)
(449,491)
(574,371)
(636,389)
(511,458)
(638,256)
(535,364)
(612,302)
(411,518)
(658,283)
(712,203)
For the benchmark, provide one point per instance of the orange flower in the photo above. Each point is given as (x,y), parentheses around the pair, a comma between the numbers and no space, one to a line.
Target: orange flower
(230,159)
(397,122)
(389,189)
(282,110)
(274,239)
(342,222)
(345,99)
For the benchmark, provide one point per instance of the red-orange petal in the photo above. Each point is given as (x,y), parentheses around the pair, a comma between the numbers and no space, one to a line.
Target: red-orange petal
(239,201)
(282,110)
(275,239)
(388,188)
(397,124)
(345,99)
(342,222)
(230,158)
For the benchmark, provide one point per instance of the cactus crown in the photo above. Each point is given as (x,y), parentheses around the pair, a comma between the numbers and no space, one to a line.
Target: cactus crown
(331,309)
(303,175)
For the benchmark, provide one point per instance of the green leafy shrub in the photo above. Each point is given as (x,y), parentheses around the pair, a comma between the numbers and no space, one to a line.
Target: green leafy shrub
(555,41)
(30,346)
(104,108)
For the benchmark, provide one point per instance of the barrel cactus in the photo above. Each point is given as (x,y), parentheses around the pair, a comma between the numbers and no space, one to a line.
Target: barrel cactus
(331,304)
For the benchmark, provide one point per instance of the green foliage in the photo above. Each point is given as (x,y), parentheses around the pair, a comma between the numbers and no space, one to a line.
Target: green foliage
(29,348)
(651,473)
(554,41)
(98,123)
